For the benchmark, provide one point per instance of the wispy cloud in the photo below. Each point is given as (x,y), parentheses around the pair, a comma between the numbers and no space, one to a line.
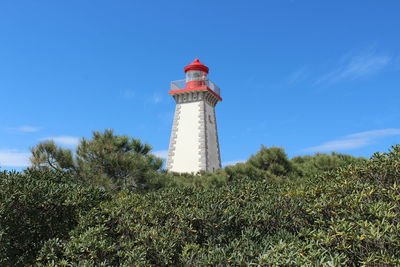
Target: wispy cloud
(232,162)
(339,145)
(356,66)
(63,140)
(353,141)
(25,129)
(161,154)
(14,158)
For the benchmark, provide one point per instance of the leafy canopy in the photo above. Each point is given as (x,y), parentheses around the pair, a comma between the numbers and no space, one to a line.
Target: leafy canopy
(345,217)
(108,160)
(321,210)
(36,206)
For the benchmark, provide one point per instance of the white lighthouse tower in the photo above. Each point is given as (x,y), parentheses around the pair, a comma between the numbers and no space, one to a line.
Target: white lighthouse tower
(194,139)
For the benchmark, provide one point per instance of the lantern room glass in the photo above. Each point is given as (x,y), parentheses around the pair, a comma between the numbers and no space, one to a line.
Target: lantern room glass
(195,75)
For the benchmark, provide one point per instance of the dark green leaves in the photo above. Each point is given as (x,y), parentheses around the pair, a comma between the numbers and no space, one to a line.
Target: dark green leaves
(37,206)
(107,160)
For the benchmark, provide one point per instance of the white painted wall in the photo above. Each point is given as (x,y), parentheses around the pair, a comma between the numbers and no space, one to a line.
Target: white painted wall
(187,157)
(212,141)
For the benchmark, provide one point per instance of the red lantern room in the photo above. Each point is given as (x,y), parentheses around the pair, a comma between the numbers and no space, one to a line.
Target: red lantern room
(196,74)
(196,80)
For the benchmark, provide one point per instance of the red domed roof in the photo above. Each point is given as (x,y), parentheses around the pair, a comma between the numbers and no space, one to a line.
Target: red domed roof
(196,65)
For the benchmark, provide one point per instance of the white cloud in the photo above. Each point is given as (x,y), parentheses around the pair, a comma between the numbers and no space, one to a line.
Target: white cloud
(232,162)
(353,141)
(161,154)
(64,140)
(357,66)
(28,129)
(376,133)
(25,129)
(14,158)
(337,145)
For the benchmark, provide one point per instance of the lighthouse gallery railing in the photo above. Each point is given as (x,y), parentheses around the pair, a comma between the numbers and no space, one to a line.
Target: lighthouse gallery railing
(181,84)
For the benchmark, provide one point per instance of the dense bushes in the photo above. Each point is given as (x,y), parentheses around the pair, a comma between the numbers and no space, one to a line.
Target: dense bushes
(344,217)
(177,226)
(271,163)
(36,206)
(273,160)
(307,166)
(322,210)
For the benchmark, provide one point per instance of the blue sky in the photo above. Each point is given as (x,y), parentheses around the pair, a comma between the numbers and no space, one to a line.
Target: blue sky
(309,76)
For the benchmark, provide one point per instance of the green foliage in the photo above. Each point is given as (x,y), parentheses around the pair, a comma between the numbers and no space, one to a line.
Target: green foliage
(36,206)
(273,160)
(110,161)
(271,163)
(344,217)
(382,169)
(307,166)
(201,179)
(48,156)
(245,170)
(321,210)
(124,160)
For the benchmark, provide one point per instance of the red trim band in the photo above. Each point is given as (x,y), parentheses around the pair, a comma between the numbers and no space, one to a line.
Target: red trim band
(195,89)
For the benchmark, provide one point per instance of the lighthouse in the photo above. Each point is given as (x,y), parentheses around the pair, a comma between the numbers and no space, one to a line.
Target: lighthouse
(194,137)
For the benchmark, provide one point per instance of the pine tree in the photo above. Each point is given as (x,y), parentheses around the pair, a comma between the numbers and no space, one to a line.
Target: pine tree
(108,160)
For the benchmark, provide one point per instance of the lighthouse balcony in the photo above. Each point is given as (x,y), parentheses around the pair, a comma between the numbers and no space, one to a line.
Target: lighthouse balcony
(184,85)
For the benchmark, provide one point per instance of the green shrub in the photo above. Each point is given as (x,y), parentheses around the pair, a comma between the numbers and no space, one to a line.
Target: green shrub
(274,160)
(343,217)
(36,206)
(245,170)
(271,163)
(307,166)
